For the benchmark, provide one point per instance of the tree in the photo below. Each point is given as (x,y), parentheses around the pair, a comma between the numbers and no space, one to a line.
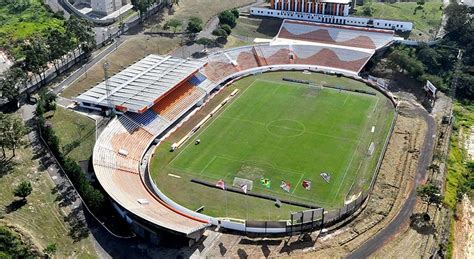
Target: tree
(142,6)
(227,17)
(12,131)
(82,32)
(173,23)
(430,193)
(235,12)
(458,20)
(36,55)
(10,85)
(59,44)
(219,32)
(23,190)
(194,25)
(226,28)
(205,42)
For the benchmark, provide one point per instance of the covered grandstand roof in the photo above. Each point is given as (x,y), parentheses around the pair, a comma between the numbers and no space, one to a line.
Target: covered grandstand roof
(337,35)
(139,86)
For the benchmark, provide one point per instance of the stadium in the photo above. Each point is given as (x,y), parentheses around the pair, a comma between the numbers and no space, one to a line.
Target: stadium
(270,138)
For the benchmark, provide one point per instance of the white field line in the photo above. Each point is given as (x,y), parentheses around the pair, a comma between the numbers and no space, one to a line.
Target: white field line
(207,165)
(186,145)
(282,127)
(353,154)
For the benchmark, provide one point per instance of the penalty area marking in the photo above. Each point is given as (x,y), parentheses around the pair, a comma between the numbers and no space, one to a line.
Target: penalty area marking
(175,176)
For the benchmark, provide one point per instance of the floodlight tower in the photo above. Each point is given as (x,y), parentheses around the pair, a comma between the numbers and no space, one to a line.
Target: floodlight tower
(110,102)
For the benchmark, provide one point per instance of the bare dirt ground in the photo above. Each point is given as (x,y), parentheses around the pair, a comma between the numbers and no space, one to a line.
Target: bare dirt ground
(463,246)
(470,143)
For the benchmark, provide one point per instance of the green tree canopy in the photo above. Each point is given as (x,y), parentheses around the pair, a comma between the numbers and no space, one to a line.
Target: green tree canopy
(36,54)
(227,17)
(23,190)
(12,131)
(173,23)
(194,25)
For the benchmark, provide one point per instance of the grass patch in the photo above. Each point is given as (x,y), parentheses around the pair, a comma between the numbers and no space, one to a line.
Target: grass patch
(266,28)
(426,22)
(204,9)
(458,171)
(21,19)
(43,218)
(76,133)
(281,131)
(233,42)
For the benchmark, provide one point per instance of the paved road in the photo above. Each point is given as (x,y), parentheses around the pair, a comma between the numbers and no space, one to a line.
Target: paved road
(76,74)
(406,211)
(56,7)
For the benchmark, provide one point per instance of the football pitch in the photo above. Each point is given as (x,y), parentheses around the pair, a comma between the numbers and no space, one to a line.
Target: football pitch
(278,131)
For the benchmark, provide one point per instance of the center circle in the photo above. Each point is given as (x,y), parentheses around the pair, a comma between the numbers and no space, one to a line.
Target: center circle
(285,128)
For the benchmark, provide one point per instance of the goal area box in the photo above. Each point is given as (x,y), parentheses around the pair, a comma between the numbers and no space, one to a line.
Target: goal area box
(239,182)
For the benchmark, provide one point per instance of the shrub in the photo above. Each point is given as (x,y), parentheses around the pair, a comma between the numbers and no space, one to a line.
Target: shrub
(226,28)
(227,17)
(235,12)
(219,32)
(23,190)
(194,25)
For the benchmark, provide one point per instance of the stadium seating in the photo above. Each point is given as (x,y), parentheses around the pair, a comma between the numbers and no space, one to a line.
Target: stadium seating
(218,67)
(149,120)
(178,101)
(366,38)
(245,59)
(338,58)
(276,54)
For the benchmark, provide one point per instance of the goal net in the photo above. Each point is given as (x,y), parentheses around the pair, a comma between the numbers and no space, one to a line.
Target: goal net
(239,182)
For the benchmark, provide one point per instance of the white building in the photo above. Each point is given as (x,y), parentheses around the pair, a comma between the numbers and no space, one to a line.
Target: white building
(326,11)
(106,7)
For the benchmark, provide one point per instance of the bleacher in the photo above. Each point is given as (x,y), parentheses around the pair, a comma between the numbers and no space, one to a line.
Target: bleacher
(178,101)
(149,120)
(245,58)
(276,54)
(218,67)
(197,79)
(348,36)
(330,57)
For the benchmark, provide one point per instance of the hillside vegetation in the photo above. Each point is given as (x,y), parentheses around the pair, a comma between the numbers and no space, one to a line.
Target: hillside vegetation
(21,19)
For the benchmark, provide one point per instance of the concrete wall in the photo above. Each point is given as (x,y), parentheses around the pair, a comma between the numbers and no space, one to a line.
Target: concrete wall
(344,20)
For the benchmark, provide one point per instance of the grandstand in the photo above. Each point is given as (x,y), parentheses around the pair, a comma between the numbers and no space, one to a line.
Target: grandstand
(140,86)
(156,92)
(334,35)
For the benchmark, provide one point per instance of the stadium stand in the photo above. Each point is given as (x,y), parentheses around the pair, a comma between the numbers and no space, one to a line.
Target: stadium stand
(249,57)
(156,91)
(349,36)
(116,160)
(149,120)
(137,87)
(175,103)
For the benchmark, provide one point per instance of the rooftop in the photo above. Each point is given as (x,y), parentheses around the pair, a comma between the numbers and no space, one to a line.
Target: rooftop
(139,86)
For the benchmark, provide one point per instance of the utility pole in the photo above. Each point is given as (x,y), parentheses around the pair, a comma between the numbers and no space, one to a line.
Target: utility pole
(109,99)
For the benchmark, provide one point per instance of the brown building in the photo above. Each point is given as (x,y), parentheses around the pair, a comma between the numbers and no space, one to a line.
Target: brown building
(324,7)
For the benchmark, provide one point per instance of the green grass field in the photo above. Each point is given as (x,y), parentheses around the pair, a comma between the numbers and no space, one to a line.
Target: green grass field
(280,131)
(426,22)
(76,133)
(21,19)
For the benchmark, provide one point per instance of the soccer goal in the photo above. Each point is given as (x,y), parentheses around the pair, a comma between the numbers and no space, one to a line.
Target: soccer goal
(239,182)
